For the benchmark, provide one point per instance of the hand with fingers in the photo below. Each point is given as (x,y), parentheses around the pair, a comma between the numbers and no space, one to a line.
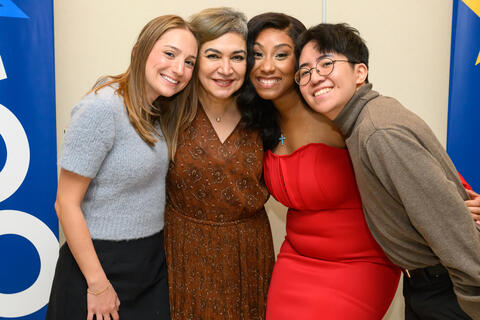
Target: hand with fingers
(102,303)
(474,205)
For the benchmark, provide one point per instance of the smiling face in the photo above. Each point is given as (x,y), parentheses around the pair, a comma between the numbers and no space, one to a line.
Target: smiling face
(328,95)
(222,66)
(170,64)
(274,68)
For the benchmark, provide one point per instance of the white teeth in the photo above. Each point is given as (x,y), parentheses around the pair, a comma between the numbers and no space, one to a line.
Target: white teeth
(269,81)
(225,82)
(322,91)
(169,79)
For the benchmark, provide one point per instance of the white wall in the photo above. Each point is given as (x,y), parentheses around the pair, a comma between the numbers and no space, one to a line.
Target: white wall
(409,44)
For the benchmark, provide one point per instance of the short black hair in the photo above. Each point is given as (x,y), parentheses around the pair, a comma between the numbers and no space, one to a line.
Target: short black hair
(335,38)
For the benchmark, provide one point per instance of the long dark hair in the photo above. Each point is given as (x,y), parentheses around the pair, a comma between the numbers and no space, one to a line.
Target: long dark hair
(257,113)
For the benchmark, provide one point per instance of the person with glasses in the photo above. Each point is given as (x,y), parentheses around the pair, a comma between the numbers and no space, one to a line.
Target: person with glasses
(412,195)
(329,266)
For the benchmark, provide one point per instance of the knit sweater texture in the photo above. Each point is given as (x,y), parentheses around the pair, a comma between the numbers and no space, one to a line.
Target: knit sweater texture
(411,192)
(126,196)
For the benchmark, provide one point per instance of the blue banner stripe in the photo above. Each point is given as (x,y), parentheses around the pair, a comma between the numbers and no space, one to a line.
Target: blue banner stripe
(28,152)
(464,96)
(9,9)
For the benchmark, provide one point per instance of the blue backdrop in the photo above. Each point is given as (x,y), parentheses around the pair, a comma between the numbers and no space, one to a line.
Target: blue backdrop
(28,174)
(464,98)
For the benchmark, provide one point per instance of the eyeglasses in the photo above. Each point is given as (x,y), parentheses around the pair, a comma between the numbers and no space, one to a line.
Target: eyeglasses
(324,67)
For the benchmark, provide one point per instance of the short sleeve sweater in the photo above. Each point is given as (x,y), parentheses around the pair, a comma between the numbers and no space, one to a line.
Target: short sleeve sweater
(126,196)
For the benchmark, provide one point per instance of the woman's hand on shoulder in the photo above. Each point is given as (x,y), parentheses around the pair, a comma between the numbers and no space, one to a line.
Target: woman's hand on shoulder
(474,205)
(103,303)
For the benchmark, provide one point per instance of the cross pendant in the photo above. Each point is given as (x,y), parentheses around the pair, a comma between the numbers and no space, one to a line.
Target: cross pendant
(282,138)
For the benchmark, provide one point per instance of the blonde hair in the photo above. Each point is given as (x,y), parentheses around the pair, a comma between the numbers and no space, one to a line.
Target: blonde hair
(172,113)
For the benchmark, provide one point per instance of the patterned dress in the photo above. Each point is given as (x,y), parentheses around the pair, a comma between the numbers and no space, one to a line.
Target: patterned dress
(217,236)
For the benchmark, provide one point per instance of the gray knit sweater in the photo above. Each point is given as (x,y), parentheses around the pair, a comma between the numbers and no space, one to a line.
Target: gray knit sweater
(126,197)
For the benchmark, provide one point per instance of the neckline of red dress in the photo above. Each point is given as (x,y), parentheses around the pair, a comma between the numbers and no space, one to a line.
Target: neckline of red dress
(294,152)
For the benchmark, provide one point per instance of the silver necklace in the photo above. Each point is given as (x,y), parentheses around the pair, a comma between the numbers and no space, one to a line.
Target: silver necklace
(218,118)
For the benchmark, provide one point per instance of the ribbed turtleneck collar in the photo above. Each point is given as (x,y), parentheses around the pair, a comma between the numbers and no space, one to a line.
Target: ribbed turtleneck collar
(347,118)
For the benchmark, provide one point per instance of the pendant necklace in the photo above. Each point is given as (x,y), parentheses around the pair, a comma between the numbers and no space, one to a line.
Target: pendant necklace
(282,138)
(218,118)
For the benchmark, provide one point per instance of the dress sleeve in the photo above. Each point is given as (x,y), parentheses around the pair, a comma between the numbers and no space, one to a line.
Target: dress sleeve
(433,205)
(89,137)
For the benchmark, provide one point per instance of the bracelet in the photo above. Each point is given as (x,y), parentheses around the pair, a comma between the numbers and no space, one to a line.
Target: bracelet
(99,292)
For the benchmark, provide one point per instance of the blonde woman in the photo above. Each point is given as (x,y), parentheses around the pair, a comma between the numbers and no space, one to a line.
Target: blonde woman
(218,239)
(111,190)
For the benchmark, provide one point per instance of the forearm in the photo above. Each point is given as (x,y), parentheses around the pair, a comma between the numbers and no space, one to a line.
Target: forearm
(80,243)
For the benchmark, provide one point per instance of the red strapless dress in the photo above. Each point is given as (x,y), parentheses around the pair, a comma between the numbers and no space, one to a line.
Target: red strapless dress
(329,266)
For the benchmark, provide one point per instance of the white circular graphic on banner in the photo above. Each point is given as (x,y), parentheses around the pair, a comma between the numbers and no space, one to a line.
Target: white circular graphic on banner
(18,153)
(39,234)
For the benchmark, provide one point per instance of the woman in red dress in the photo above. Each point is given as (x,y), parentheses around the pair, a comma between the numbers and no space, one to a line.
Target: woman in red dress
(329,266)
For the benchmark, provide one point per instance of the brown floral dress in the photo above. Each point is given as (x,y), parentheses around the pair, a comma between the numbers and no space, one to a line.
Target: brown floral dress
(217,235)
